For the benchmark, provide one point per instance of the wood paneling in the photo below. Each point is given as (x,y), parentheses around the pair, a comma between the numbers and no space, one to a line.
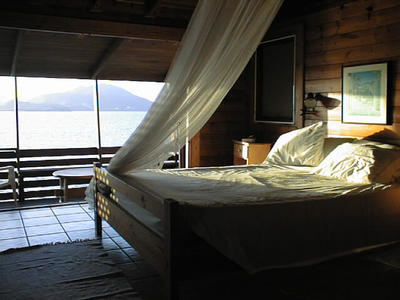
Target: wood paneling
(79,39)
(140,60)
(357,32)
(60,55)
(360,32)
(8,39)
(348,10)
(46,54)
(213,145)
(46,23)
(171,12)
(352,55)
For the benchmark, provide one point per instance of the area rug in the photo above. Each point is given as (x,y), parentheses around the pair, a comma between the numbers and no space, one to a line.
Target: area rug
(80,270)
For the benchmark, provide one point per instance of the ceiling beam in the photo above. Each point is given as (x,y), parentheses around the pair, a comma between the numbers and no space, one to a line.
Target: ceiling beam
(16,20)
(17,48)
(152,7)
(105,57)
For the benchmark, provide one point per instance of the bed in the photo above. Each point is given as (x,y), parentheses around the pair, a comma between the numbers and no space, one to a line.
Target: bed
(259,216)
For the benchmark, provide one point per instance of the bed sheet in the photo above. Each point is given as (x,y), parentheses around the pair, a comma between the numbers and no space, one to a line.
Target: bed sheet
(243,185)
(273,216)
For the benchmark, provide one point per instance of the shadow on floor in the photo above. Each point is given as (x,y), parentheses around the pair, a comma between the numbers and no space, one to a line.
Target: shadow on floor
(371,275)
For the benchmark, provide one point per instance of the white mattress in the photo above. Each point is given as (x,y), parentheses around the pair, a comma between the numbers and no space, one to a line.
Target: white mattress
(275,216)
(238,185)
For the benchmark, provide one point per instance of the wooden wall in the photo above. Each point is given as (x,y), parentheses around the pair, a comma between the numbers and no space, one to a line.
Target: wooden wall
(213,146)
(357,32)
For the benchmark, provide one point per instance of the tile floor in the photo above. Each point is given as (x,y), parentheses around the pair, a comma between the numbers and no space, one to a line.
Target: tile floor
(28,227)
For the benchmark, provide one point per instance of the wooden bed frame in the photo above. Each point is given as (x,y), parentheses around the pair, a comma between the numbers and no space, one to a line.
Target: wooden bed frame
(164,248)
(160,249)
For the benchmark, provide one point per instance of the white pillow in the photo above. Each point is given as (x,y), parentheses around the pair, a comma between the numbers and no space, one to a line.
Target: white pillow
(299,147)
(362,163)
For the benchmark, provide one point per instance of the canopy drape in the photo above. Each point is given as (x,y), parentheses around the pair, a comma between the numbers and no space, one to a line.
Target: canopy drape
(218,43)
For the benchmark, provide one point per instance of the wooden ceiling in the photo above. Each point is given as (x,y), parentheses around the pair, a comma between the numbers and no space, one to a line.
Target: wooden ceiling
(105,39)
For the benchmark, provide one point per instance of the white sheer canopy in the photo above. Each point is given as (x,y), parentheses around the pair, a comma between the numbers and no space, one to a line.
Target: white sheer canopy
(217,45)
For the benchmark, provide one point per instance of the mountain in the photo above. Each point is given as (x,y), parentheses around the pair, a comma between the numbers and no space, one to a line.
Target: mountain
(112,98)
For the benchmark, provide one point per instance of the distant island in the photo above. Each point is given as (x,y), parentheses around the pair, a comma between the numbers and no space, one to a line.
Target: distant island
(112,98)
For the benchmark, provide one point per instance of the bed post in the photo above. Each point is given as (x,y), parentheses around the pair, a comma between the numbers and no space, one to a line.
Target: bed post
(97,218)
(172,248)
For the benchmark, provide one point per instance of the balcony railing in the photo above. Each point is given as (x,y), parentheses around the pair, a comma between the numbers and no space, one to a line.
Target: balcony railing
(34,169)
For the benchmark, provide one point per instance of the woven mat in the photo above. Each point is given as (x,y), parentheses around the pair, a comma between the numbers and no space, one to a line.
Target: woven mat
(80,270)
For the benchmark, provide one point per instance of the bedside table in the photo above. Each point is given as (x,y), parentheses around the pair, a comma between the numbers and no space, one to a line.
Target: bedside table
(245,153)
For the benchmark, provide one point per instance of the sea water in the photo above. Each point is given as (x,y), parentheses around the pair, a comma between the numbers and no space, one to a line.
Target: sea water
(72,129)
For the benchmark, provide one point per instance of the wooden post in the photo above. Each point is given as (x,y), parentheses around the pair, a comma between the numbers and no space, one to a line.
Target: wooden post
(97,218)
(21,187)
(172,248)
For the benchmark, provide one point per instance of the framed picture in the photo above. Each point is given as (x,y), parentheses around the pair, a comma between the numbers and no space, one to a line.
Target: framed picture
(364,94)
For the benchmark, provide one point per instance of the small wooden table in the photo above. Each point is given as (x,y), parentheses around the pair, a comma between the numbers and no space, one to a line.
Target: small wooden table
(68,176)
(245,153)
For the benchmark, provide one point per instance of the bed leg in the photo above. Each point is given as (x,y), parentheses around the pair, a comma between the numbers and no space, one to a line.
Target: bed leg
(97,218)
(97,223)
(172,246)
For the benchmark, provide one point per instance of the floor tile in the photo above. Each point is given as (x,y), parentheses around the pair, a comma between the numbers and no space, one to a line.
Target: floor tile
(82,234)
(9,215)
(45,229)
(36,213)
(40,221)
(48,238)
(67,210)
(118,256)
(105,224)
(12,233)
(74,218)
(121,242)
(13,243)
(111,232)
(109,244)
(87,208)
(11,224)
(91,214)
(78,225)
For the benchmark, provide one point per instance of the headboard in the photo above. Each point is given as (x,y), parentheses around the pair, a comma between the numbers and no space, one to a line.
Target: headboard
(384,136)
(389,134)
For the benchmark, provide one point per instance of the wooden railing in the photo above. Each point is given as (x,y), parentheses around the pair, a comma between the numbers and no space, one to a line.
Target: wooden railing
(37,166)
(34,169)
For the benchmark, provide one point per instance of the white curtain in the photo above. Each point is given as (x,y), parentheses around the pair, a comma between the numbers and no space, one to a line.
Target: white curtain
(217,45)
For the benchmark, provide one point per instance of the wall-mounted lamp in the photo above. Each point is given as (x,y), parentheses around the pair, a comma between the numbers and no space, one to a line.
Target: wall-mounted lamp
(310,103)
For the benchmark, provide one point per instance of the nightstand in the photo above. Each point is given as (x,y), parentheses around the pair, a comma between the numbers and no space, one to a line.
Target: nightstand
(245,153)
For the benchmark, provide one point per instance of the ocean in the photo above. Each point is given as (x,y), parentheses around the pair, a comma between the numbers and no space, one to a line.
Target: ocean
(72,129)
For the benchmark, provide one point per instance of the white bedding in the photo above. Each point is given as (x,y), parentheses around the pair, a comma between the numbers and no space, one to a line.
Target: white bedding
(273,216)
(238,185)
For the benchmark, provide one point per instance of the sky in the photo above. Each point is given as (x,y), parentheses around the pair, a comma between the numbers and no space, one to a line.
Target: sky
(36,87)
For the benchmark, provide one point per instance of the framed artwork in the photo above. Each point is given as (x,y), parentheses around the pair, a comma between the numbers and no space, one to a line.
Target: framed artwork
(364,94)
